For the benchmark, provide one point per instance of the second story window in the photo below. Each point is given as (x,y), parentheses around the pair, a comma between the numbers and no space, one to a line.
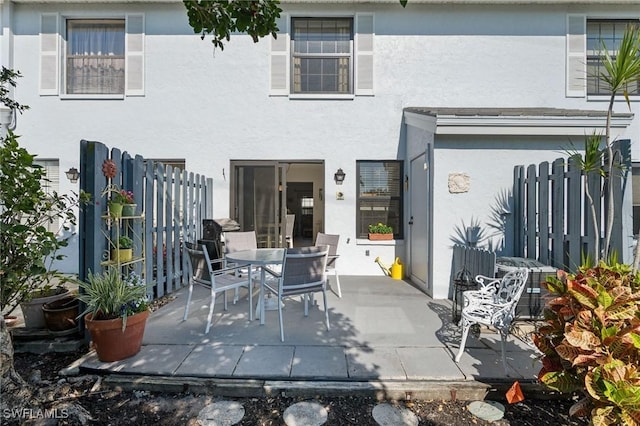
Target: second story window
(95,57)
(322,56)
(608,33)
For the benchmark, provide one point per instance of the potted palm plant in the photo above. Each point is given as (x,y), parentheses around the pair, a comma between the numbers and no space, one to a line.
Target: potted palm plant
(116,313)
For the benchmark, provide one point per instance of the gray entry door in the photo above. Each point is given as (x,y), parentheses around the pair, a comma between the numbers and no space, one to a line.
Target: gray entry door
(418,223)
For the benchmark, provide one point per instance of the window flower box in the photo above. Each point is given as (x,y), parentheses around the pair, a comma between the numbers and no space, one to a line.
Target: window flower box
(380,232)
(380,237)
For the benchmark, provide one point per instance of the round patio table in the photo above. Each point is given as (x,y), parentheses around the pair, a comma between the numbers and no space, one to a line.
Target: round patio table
(258,257)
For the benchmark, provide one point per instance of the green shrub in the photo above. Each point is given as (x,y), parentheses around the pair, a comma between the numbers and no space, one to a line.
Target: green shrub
(591,342)
(380,228)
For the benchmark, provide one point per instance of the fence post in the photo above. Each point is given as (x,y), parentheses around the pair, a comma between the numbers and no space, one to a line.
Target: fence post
(532,222)
(543,213)
(557,214)
(92,243)
(518,211)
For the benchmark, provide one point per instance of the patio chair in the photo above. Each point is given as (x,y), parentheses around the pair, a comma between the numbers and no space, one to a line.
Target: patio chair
(331,240)
(288,234)
(220,280)
(236,241)
(493,305)
(304,271)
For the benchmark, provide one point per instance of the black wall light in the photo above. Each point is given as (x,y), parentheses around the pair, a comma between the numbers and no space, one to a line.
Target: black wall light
(72,174)
(339,177)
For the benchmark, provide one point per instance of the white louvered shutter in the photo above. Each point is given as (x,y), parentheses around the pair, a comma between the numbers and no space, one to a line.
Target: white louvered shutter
(134,66)
(364,55)
(576,56)
(279,59)
(49,55)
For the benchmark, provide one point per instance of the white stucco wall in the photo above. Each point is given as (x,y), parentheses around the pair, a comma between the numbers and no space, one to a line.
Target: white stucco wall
(212,106)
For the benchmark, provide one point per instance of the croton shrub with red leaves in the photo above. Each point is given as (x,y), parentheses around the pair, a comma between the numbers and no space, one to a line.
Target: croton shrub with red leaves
(590,342)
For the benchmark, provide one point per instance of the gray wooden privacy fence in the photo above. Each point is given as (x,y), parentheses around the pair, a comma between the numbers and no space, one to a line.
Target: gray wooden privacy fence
(472,261)
(171,204)
(552,218)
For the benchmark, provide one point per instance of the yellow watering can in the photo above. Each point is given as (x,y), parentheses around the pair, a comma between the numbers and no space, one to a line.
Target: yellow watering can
(395,271)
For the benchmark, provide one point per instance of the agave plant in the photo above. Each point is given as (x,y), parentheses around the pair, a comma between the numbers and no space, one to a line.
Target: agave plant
(591,341)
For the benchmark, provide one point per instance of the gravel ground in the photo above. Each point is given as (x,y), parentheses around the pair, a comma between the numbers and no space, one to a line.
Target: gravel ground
(84,400)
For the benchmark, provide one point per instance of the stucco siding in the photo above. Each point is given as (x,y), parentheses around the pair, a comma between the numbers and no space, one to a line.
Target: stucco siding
(211,106)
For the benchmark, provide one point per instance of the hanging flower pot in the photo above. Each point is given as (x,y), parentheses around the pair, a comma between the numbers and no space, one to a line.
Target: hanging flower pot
(129,210)
(122,255)
(115,209)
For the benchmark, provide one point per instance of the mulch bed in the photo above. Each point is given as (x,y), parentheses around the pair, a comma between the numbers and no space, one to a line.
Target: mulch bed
(115,407)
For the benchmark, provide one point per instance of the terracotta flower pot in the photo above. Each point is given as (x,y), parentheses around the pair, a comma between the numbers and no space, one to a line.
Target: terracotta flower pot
(380,237)
(113,344)
(61,314)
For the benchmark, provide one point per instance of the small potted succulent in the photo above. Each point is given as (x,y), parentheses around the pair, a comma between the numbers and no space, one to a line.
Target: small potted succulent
(380,231)
(123,251)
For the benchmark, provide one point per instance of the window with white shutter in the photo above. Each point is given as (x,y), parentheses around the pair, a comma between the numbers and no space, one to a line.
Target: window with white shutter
(322,56)
(95,57)
(586,40)
(98,57)
(605,34)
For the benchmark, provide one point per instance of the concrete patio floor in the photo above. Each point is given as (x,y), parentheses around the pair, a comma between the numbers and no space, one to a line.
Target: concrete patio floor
(386,337)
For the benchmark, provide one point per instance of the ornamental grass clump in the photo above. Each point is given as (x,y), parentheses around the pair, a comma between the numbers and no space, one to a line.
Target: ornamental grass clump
(591,342)
(109,296)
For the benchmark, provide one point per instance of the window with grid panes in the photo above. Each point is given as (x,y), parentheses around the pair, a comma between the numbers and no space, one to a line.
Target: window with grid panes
(608,33)
(322,58)
(380,196)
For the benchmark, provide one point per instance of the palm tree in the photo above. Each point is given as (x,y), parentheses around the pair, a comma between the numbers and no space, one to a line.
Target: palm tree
(620,70)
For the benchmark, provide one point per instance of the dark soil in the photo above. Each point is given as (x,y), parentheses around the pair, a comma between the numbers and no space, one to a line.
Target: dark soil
(113,407)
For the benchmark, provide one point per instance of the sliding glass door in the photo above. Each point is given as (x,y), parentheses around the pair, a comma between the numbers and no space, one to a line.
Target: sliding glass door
(258,194)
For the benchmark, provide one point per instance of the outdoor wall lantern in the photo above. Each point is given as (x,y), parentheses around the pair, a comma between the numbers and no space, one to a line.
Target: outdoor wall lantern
(72,174)
(339,177)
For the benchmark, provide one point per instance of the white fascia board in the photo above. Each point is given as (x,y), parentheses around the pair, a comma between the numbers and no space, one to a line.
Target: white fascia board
(421,121)
(479,125)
